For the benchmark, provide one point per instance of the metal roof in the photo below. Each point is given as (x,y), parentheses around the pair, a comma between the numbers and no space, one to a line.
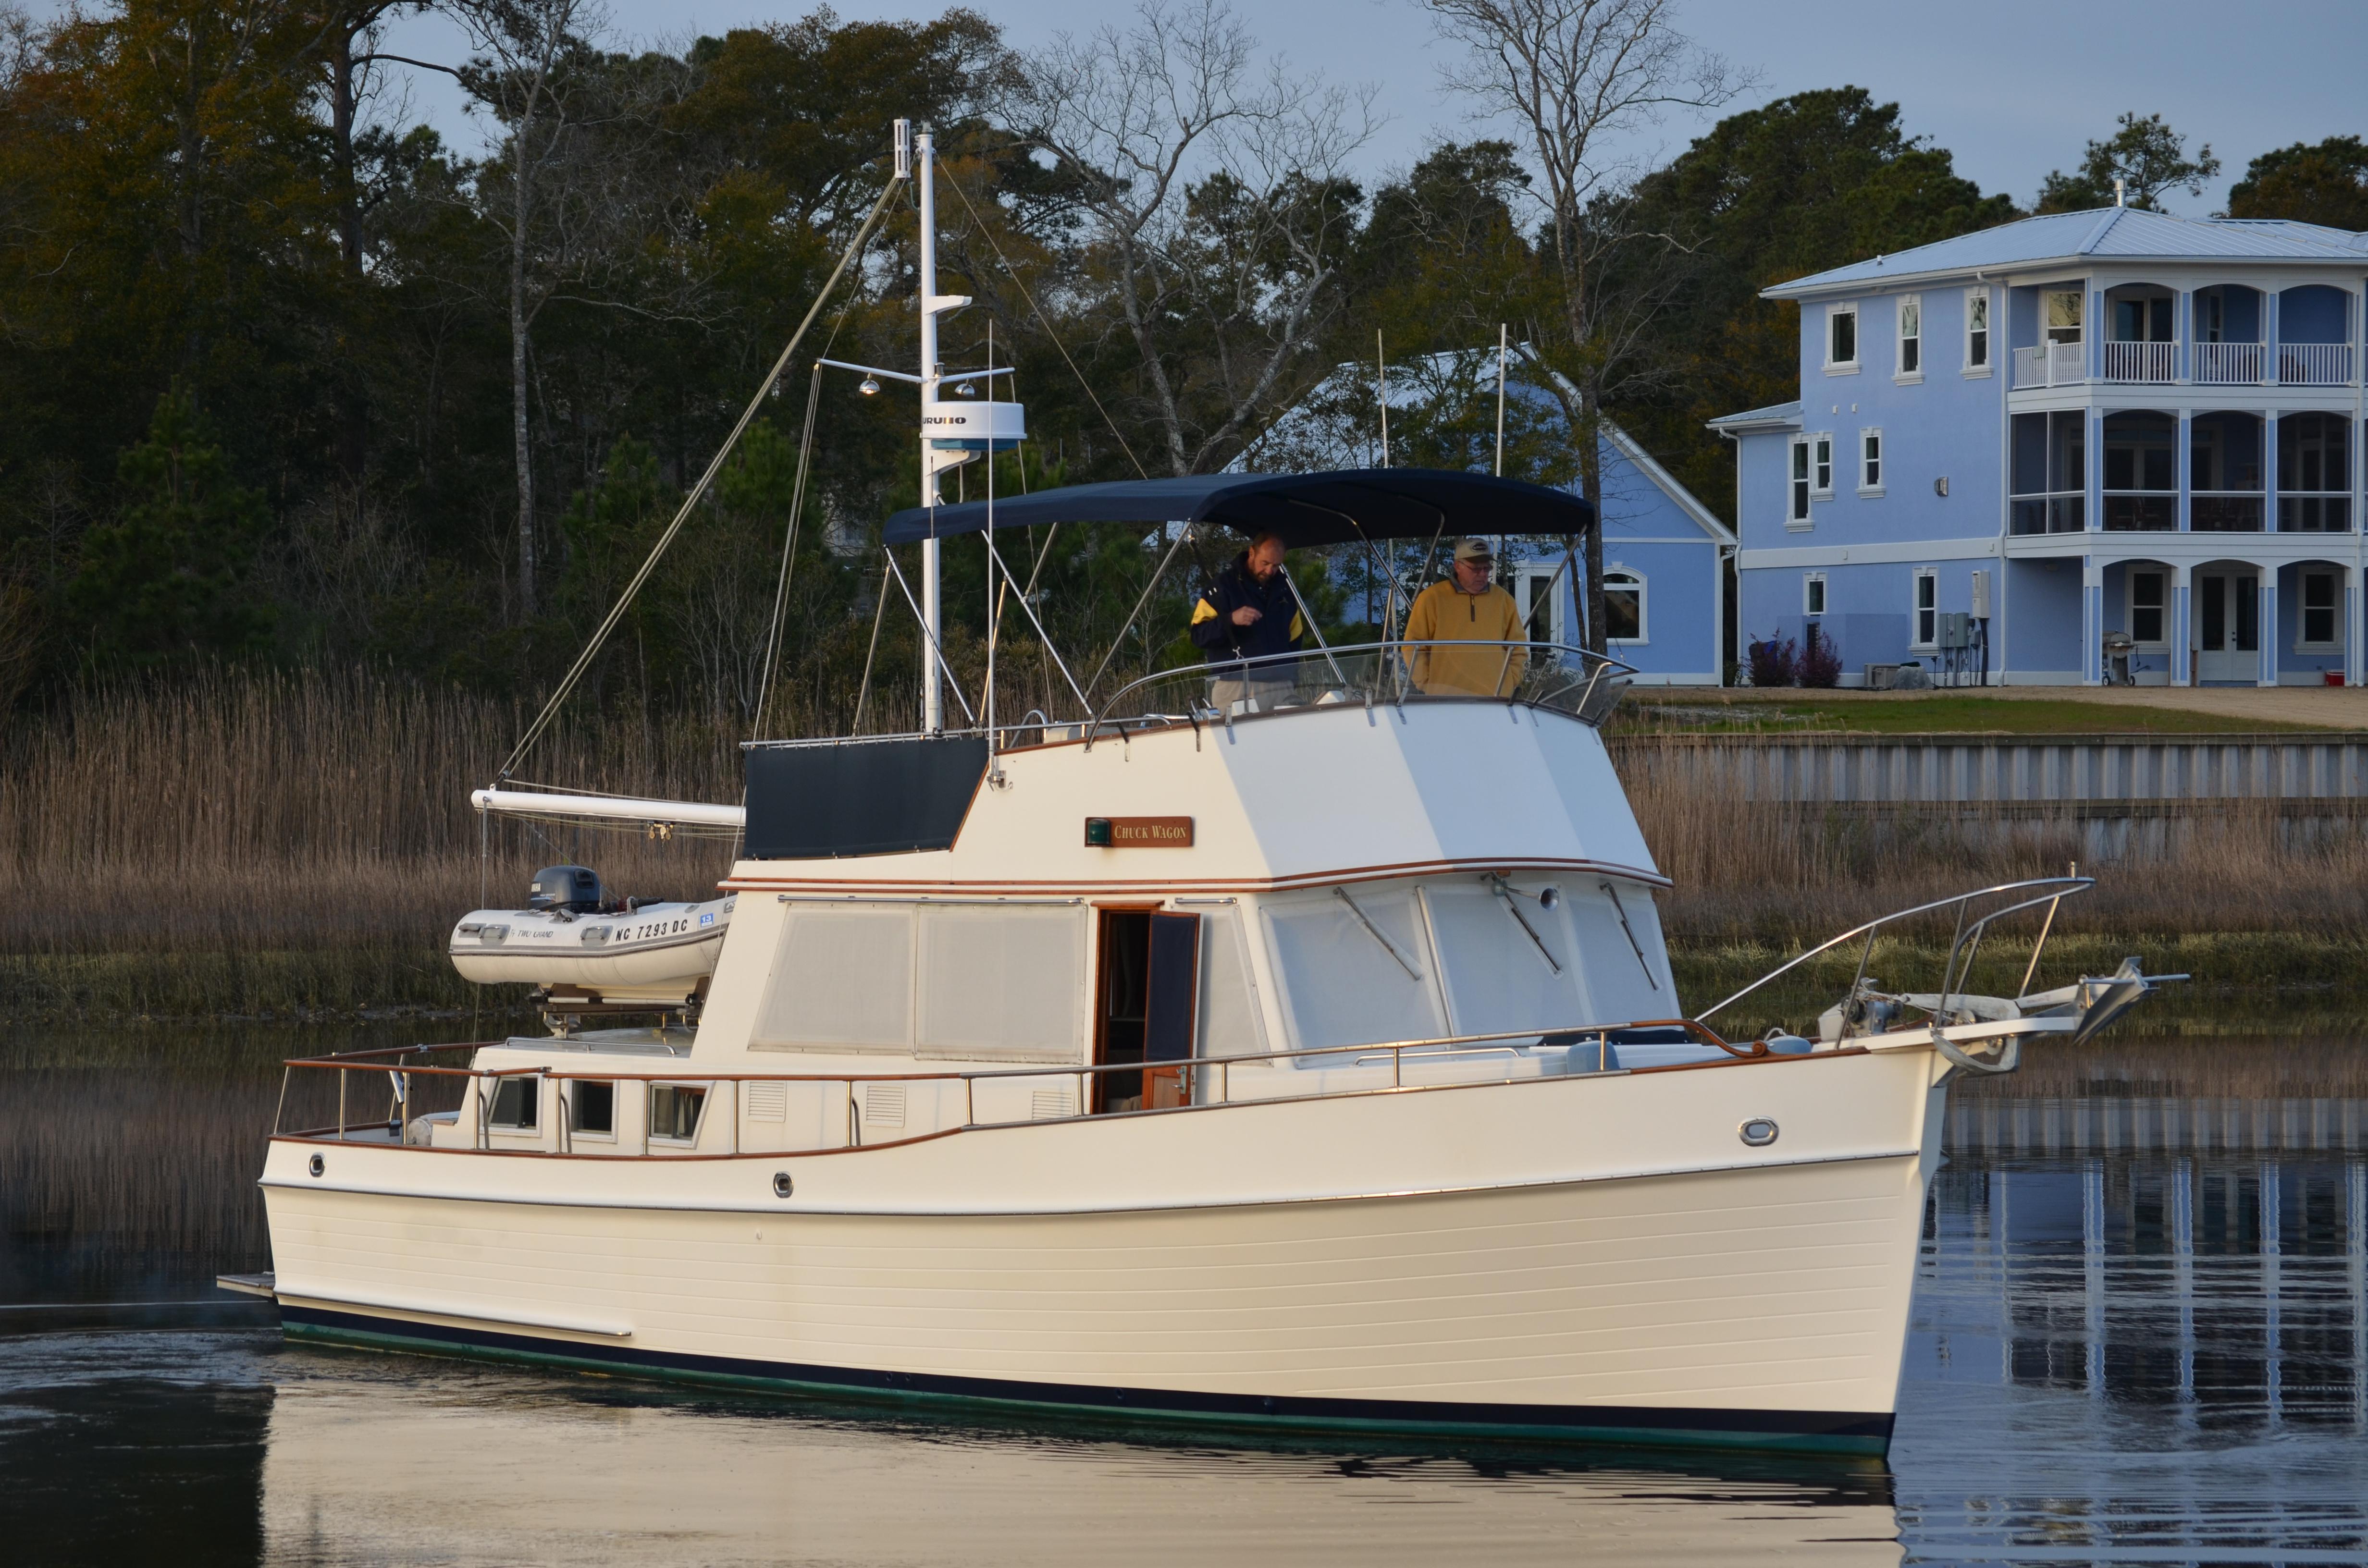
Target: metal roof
(1775,414)
(2116,231)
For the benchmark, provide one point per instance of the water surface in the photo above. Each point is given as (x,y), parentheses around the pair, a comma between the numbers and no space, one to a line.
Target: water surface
(2139,1337)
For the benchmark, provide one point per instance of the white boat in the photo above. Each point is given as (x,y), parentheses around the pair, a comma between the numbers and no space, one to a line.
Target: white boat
(584,951)
(1297,1049)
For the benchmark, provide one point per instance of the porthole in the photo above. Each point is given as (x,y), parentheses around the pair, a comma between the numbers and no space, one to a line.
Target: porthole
(1758,1132)
(782,1185)
(316,1164)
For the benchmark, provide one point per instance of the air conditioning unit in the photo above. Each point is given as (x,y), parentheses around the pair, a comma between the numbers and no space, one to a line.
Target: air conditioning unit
(1881,677)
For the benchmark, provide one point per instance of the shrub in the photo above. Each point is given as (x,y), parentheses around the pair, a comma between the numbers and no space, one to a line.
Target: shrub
(1773,661)
(1819,665)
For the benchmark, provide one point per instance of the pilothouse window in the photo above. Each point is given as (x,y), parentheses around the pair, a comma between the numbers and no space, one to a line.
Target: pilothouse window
(516,1102)
(674,1111)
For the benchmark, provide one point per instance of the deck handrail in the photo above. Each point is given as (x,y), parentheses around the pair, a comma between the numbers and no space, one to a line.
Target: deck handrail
(2064,887)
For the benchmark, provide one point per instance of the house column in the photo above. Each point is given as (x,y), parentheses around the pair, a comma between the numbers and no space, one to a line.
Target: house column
(2351,672)
(2269,329)
(2269,470)
(2269,628)
(2182,460)
(2092,336)
(2182,644)
(2093,623)
(2093,471)
(2182,367)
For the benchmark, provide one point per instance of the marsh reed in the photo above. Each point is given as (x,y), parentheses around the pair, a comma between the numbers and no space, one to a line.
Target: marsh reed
(285,845)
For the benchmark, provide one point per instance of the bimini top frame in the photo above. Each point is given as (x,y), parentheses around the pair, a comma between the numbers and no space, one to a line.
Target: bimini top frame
(1343,506)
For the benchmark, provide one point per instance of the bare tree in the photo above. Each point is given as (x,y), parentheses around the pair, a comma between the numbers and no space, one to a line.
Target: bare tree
(1218,202)
(1577,76)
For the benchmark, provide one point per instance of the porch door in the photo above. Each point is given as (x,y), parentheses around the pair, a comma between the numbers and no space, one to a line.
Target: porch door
(2228,626)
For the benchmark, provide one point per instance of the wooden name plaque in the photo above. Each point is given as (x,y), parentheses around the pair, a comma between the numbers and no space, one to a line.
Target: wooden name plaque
(1139,832)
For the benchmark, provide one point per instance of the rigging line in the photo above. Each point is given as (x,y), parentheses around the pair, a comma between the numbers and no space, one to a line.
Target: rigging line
(788,550)
(914,606)
(1129,624)
(863,692)
(1041,632)
(1046,321)
(624,600)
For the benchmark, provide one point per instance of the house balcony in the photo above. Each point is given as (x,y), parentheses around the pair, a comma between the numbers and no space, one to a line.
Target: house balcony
(2314,364)
(2214,365)
(2229,364)
(2051,365)
(2144,362)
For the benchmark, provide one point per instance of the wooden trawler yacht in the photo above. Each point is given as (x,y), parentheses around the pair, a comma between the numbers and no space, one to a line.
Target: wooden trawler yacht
(1290,1046)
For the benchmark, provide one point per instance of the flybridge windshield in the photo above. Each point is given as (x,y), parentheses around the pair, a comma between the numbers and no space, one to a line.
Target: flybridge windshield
(1465,956)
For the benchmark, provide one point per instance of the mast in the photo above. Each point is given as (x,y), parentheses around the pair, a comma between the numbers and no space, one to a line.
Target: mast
(933,714)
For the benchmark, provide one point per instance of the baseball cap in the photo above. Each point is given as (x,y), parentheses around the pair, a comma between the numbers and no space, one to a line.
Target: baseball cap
(1470,549)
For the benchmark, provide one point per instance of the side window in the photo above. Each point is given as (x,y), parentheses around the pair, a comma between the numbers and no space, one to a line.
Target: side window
(674,1111)
(2319,599)
(1230,1021)
(1813,594)
(518,1103)
(1927,602)
(1977,329)
(2146,609)
(842,980)
(1911,335)
(1821,466)
(591,1107)
(1870,473)
(1796,484)
(1841,337)
(1624,606)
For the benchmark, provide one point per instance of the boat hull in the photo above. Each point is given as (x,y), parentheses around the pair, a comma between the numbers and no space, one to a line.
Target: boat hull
(1761,1303)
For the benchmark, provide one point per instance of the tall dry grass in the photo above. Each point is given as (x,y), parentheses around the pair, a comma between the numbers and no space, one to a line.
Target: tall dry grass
(232,845)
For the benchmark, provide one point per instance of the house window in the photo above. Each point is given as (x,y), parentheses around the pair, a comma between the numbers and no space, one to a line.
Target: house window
(1977,330)
(1796,509)
(2064,316)
(1841,337)
(1911,336)
(1870,470)
(516,1102)
(1927,602)
(1624,606)
(2319,599)
(1821,467)
(2147,616)
(1538,590)
(1813,594)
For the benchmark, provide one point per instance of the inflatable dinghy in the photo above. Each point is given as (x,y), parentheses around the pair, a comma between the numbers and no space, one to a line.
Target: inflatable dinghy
(581,947)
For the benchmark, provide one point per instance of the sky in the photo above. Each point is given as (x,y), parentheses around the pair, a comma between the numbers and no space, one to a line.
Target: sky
(2013,88)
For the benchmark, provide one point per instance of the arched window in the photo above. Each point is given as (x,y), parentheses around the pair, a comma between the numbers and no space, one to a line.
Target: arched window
(1624,606)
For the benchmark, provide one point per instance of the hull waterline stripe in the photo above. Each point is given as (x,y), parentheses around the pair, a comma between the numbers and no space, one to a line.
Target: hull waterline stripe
(338,1295)
(788,1208)
(1849,1432)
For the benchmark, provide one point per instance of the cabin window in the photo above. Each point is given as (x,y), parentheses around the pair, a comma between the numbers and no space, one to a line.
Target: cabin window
(516,1102)
(1001,980)
(1509,961)
(591,1107)
(1977,330)
(1619,931)
(674,1111)
(1841,337)
(1355,967)
(843,979)
(1229,1020)
(1911,337)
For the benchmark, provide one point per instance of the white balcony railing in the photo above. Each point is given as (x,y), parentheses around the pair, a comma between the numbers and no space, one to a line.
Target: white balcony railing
(2314,364)
(2228,364)
(2051,365)
(2138,362)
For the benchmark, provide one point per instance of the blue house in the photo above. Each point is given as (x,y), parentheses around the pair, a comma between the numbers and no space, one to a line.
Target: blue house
(1667,557)
(2067,447)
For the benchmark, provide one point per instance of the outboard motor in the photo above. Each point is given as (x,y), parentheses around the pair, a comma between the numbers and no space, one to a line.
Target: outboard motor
(572,889)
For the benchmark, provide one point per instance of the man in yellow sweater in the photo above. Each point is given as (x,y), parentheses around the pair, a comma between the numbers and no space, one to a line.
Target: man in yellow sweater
(1467,606)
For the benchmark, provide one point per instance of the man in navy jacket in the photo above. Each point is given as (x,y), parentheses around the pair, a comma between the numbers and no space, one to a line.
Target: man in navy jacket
(1249,612)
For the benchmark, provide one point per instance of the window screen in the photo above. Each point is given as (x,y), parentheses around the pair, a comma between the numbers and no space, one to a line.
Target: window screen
(1496,980)
(1229,1010)
(843,977)
(1002,980)
(1340,984)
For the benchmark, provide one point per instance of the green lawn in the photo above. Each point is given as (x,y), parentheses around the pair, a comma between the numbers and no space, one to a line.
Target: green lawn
(1949,712)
